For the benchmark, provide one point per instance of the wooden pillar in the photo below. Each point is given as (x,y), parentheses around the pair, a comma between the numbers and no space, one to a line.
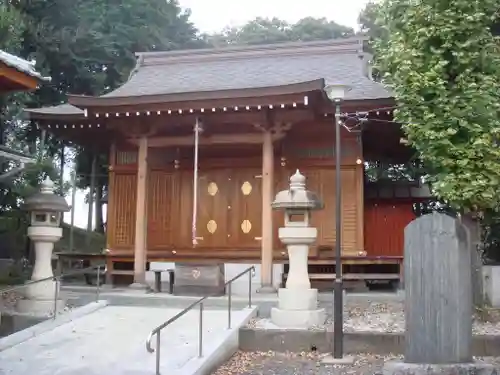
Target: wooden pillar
(141,214)
(93,171)
(267,213)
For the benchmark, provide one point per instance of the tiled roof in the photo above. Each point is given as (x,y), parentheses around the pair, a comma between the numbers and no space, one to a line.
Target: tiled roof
(238,68)
(335,61)
(62,109)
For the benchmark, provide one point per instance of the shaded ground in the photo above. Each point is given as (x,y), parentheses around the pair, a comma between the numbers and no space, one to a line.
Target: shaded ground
(370,316)
(270,363)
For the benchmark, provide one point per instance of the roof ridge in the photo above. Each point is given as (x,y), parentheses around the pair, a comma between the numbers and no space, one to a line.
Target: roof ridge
(341,45)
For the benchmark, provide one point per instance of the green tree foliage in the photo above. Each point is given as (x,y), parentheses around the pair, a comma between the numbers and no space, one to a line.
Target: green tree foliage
(443,64)
(367,21)
(274,30)
(13,26)
(88,47)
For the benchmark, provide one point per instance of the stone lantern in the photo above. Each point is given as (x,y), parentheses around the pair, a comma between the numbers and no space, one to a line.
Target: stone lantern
(297,302)
(46,210)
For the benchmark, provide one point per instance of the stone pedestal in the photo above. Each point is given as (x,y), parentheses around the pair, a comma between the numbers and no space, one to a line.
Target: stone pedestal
(39,297)
(297,308)
(298,303)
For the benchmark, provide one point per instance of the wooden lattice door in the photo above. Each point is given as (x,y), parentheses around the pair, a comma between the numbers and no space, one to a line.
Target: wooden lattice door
(122,204)
(245,208)
(212,219)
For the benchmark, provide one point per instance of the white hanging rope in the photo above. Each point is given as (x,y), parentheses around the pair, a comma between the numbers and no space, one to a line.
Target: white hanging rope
(197,129)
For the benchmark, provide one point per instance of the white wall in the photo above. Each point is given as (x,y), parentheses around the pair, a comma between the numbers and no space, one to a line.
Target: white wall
(150,276)
(240,286)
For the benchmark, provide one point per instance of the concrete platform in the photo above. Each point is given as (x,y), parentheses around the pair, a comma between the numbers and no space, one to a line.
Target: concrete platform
(112,341)
(126,297)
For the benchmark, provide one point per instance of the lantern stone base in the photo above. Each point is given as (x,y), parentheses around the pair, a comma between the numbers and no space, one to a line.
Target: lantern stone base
(39,299)
(297,308)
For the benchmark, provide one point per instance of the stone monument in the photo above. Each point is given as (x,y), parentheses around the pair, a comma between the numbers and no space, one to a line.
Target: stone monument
(438,300)
(46,210)
(297,303)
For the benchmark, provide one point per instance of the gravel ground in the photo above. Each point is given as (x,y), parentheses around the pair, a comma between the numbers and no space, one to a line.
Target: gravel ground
(271,363)
(8,300)
(382,317)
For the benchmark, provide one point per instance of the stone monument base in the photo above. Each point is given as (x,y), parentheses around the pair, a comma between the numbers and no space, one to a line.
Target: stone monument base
(473,368)
(199,279)
(38,307)
(297,308)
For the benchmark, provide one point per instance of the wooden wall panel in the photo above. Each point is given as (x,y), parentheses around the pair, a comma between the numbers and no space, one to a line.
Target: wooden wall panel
(183,209)
(121,206)
(160,200)
(350,202)
(322,181)
(281,182)
(312,145)
(385,221)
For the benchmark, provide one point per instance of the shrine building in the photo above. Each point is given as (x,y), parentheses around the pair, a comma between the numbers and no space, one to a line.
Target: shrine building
(200,141)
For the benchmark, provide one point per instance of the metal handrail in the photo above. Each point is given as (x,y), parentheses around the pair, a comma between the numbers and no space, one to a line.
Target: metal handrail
(57,279)
(157,331)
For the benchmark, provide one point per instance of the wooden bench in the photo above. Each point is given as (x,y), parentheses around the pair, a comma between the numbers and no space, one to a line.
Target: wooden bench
(352,276)
(355,276)
(76,261)
(171,279)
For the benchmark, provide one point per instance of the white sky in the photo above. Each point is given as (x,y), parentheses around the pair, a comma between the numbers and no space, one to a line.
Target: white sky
(213,15)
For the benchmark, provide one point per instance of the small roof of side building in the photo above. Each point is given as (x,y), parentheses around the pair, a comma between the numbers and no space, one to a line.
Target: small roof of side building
(17,74)
(235,72)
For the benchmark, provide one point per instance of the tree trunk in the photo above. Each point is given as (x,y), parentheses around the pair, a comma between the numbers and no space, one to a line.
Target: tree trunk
(99,220)
(474,229)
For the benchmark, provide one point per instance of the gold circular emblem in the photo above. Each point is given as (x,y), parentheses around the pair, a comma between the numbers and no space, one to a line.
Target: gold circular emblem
(212,188)
(246,226)
(246,188)
(211,226)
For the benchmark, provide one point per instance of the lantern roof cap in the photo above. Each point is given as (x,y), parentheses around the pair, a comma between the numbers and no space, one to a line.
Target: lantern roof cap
(45,199)
(297,197)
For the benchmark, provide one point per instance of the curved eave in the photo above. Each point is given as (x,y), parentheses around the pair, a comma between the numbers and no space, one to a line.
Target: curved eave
(63,112)
(18,74)
(14,80)
(109,101)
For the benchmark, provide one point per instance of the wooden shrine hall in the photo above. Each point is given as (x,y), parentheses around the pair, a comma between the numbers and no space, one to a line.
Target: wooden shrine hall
(199,142)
